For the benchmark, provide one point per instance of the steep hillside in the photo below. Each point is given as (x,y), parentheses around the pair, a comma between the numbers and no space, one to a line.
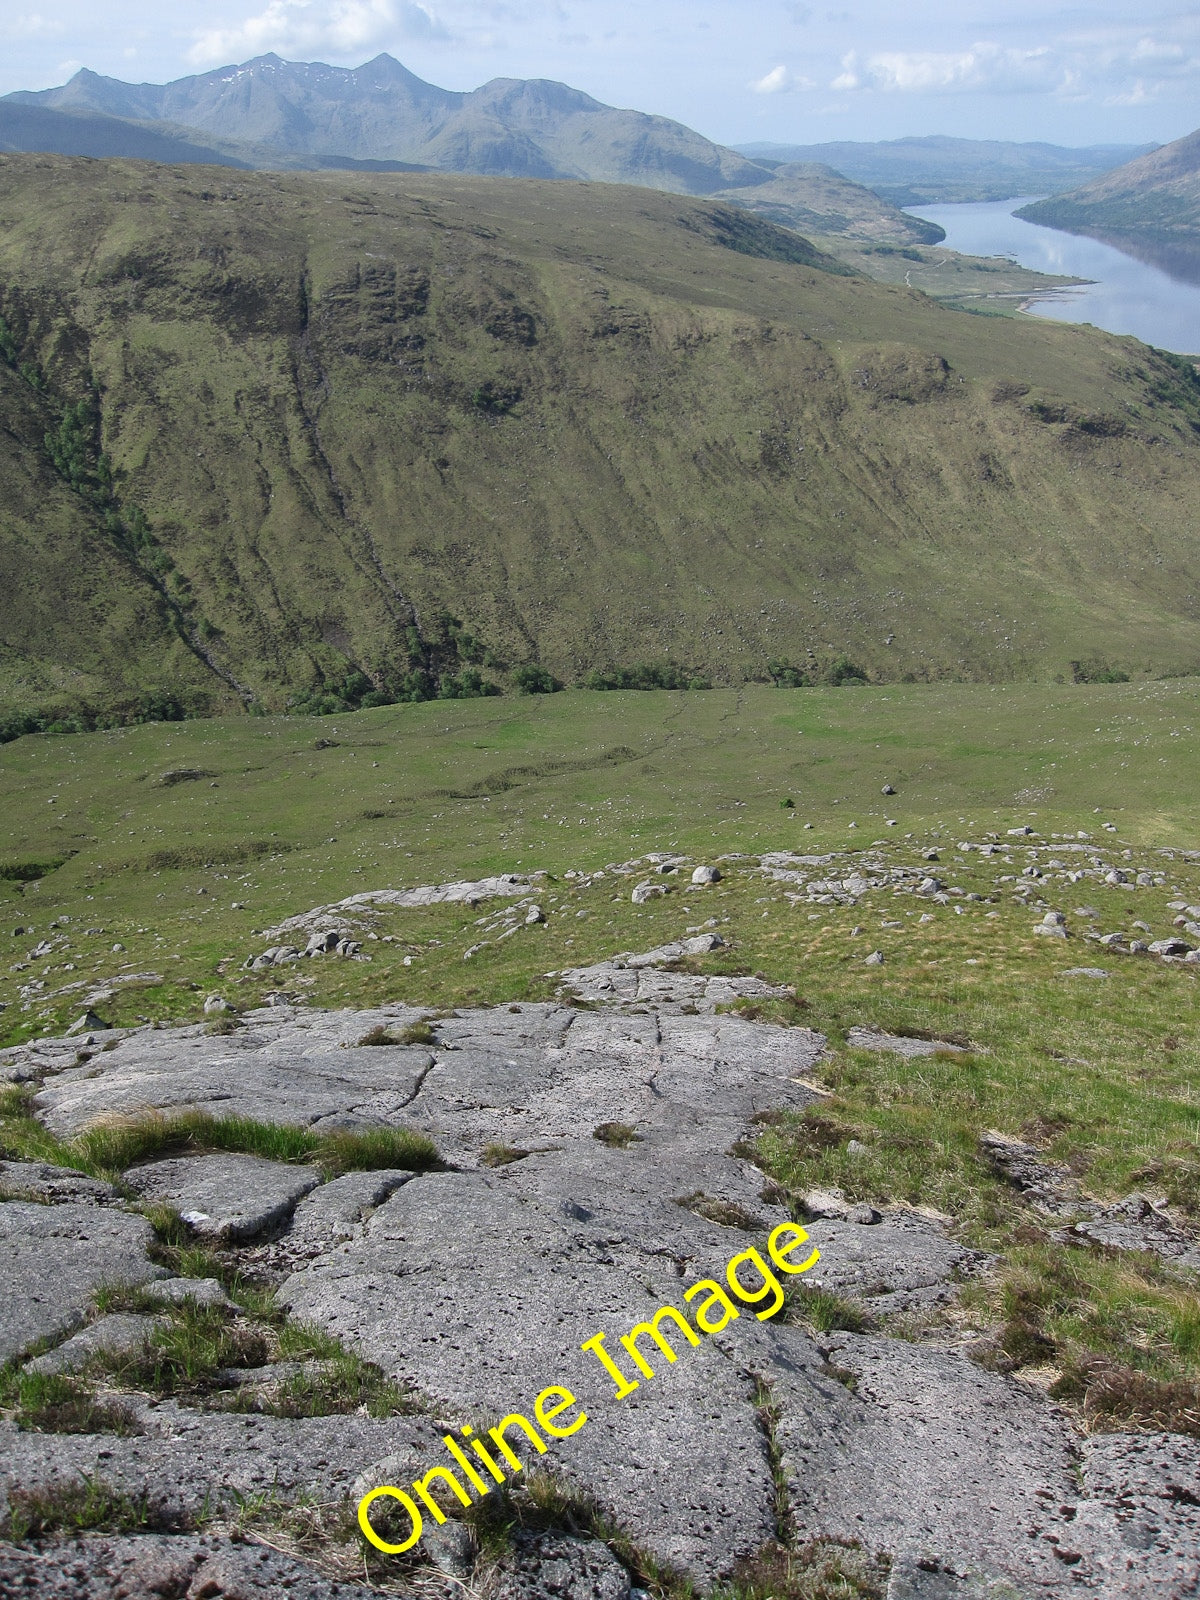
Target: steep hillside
(81,133)
(1154,200)
(938,169)
(815,199)
(269,429)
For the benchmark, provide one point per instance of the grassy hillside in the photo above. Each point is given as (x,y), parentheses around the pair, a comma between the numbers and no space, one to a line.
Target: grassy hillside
(269,428)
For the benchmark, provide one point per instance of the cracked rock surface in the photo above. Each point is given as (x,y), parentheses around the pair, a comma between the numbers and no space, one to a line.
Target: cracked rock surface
(53,1258)
(179,1568)
(618,1185)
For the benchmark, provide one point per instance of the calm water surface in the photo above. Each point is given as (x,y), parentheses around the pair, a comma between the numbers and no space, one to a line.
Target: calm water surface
(1127,295)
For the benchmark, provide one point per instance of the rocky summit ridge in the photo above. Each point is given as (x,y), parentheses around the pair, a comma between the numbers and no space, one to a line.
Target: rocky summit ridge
(592,1162)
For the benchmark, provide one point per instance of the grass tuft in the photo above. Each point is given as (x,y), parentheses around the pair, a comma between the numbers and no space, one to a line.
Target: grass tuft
(86,1505)
(111,1146)
(616,1135)
(826,1312)
(54,1403)
(822,1569)
(726,1213)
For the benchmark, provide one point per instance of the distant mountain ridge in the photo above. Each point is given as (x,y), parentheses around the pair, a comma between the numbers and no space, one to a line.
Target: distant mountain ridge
(938,169)
(274,113)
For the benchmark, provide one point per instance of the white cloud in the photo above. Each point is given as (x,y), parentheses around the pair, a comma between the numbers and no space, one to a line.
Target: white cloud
(781,80)
(1111,69)
(304,28)
(34,26)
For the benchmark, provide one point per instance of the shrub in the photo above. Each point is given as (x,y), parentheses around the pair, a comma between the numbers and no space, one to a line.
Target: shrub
(843,671)
(531,679)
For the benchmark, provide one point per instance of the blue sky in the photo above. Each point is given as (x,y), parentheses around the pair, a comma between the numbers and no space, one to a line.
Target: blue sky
(737,70)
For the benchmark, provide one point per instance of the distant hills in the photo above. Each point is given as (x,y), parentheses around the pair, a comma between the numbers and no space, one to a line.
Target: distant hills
(357,434)
(939,169)
(1149,207)
(271,113)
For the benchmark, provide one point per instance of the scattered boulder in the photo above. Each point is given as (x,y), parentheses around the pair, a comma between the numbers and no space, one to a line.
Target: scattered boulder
(89,1022)
(1169,947)
(706,875)
(215,1004)
(875,959)
(645,891)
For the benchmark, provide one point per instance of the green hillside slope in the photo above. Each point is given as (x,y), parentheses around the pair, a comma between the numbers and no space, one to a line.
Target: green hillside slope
(263,429)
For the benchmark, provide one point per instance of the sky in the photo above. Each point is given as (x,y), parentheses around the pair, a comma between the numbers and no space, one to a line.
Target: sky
(740,71)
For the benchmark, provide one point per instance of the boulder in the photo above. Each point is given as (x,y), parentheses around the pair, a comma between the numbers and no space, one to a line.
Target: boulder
(232,1197)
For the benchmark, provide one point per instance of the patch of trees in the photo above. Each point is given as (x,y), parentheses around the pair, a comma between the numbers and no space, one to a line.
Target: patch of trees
(840,673)
(154,705)
(646,675)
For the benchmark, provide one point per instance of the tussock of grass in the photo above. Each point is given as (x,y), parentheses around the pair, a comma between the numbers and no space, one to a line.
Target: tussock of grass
(502,1155)
(616,1135)
(110,1147)
(822,1569)
(376,1149)
(86,1505)
(185,1356)
(1116,1395)
(824,1311)
(726,1213)
(56,1403)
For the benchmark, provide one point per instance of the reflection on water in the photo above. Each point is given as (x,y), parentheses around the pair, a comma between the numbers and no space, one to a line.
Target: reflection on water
(1154,295)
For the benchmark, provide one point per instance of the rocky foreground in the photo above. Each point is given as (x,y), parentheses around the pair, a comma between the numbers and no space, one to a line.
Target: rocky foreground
(591,1172)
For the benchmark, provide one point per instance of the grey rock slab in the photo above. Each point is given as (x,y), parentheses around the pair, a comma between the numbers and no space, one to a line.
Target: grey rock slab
(1138,1524)
(179,1566)
(929,1455)
(118,1334)
(54,1258)
(280,1066)
(184,1460)
(507,884)
(1135,1224)
(550,1566)
(338,1209)
(482,1290)
(40,1181)
(896,1044)
(899,1263)
(199,1291)
(233,1197)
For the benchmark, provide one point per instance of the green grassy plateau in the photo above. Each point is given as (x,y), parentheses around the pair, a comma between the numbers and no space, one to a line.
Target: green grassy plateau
(264,428)
(182,844)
